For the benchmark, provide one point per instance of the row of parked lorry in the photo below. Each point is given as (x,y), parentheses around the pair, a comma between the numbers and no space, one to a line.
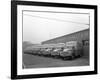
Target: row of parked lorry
(68,50)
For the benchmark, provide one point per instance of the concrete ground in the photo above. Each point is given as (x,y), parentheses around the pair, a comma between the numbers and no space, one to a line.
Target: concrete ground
(34,61)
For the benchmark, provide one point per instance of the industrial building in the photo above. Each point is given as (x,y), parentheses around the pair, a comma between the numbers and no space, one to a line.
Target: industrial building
(82,35)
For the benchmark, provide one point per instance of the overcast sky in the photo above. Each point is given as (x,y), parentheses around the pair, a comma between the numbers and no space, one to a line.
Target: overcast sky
(42,26)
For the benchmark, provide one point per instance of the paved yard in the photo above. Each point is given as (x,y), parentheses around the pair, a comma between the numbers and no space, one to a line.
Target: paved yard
(33,61)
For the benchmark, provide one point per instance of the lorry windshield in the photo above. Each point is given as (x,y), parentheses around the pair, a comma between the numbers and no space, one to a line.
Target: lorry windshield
(56,49)
(65,50)
(48,49)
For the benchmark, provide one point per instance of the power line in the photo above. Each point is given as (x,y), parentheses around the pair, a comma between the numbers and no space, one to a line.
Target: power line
(56,19)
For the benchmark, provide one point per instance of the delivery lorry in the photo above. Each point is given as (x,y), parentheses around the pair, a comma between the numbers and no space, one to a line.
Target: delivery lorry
(72,50)
(68,50)
(56,52)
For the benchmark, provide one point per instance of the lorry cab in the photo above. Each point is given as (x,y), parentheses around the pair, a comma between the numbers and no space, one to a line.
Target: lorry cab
(47,52)
(56,52)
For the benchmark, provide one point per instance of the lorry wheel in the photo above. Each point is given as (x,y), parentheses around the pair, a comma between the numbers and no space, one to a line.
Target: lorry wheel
(64,58)
(72,57)
(79,56)
(56,57)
